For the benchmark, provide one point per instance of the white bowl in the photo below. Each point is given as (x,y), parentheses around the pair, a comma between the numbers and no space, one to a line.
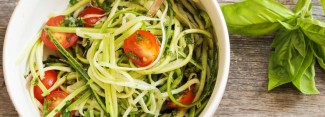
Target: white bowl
(30,15)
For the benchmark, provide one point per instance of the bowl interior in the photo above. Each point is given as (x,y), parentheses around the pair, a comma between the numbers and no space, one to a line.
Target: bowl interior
(29,15)
(220,28)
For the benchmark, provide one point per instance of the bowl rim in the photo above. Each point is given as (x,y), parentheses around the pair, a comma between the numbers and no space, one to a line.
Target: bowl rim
(224,47)
(18,8)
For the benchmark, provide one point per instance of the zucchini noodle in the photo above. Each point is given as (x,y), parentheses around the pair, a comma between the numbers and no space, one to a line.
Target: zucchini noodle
(102,79)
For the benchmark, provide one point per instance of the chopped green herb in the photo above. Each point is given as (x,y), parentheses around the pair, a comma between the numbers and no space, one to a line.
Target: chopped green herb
(73,22)
(69,102)
(139,37)
(104,4)
(169,53)
(34,82)
(73,2)
(46,107)
(66,113)
(26,75)
(132,56)
(106,7)
(189,40)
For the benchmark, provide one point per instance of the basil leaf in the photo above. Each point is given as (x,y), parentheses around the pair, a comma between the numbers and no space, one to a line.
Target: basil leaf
(255,17)
(302,5)
(313,29)
(304,80)
(286,60)
(319,53)
(323,4)
(288,24)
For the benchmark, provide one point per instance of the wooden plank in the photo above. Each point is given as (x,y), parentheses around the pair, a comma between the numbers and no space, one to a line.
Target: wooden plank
(6,107)
(6,8)
(246,93)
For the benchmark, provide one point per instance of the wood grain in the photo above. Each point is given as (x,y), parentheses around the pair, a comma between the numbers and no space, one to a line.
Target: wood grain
(6,107)
(246,93)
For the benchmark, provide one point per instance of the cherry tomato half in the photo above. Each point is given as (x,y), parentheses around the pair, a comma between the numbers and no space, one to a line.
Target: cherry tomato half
(66,39)
(49,79)
(54,99)
(91,15)
(186,98)
(142,48)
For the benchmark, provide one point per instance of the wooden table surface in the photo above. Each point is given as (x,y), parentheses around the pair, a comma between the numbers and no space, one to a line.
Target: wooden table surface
(246,93)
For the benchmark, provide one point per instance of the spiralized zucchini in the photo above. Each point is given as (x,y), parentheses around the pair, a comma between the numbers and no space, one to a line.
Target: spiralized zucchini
(102,81)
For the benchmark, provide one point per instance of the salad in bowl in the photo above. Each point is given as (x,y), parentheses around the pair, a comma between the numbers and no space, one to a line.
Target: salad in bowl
(110,58)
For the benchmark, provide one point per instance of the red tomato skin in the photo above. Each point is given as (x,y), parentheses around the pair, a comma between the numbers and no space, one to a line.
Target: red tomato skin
(55,21)
(66,39)
(62,37)
(91,20)
(146,50)
(49,79)
(72,113)
(55,98)
(186,98)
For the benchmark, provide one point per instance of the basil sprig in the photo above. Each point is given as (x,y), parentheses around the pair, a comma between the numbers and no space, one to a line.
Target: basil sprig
(299,39)
(250,16)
